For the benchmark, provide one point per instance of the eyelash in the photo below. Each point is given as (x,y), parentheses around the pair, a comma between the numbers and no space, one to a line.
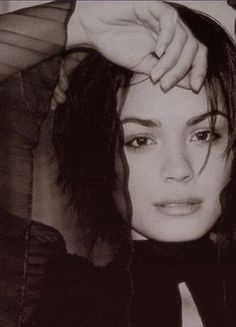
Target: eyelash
(135,148)
(214,137)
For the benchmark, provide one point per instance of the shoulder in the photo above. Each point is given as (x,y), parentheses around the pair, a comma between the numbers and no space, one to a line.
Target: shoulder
(31,238)
(26,248)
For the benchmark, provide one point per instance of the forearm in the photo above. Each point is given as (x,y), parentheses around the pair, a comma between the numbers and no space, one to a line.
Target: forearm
(32,35)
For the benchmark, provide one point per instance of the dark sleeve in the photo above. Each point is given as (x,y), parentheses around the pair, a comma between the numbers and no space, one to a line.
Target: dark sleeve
(26,247)
(26,37)
(45,245)
(31,35)
(25,100)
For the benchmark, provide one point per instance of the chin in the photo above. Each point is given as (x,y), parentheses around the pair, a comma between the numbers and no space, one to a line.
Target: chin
(182,236)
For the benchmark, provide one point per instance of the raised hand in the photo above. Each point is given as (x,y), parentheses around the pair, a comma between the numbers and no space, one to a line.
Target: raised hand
(146,37)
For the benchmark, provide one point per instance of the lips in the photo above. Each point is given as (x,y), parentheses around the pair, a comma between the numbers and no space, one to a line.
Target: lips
(178,207)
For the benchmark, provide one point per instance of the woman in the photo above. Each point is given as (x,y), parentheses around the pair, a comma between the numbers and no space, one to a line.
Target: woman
(27,246)
(132,156)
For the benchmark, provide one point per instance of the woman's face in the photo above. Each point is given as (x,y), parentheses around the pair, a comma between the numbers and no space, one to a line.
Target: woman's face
(166,140)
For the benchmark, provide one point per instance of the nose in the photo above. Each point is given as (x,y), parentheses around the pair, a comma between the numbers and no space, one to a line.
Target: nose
(177,168)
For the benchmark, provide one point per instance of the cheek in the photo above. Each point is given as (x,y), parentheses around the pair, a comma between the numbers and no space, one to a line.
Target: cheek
(143,176)
(213,179)
(218,171)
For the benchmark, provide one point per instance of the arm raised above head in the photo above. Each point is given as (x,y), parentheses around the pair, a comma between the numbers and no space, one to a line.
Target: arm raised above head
(131,34)
(144,36)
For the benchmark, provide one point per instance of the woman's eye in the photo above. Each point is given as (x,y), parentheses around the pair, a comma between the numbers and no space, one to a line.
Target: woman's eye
(205,136)
(139,142)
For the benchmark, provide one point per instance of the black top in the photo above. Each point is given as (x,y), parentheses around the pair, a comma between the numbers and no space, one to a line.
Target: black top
(42,285)
(79,294)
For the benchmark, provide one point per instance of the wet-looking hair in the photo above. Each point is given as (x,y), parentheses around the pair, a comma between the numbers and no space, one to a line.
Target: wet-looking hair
(87,131)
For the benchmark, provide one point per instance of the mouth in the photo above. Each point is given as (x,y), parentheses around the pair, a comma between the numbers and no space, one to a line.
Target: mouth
(179,207)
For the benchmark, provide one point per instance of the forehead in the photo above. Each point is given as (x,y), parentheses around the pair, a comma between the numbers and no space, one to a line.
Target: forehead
(147,100)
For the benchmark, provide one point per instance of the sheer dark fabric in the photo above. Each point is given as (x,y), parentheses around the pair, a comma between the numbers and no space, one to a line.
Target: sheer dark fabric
(27,37)
(31,35)
(25,249)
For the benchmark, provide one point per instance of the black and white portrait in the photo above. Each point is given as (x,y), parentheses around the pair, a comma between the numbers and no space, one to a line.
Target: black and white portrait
(117,163)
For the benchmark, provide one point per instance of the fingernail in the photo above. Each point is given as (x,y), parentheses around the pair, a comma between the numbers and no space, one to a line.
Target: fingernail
(160,50)
(157,74)
(167,84)
(196,84)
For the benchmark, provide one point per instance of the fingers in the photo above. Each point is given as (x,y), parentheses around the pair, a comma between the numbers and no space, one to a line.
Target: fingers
(172,54)
(192,65)
(183,65)
(185,55)
(63,79)
(167,21)
(162,20)
(59,95)
(53,105)
(178,53)
(185,83)
(199,68)
(146,65)
(70,63)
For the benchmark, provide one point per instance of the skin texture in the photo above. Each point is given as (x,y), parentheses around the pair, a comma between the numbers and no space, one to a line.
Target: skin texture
(129,34)
(171,200)
(144,27)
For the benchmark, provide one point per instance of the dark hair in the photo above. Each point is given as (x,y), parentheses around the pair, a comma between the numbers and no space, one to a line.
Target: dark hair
(85,137)
(87,133)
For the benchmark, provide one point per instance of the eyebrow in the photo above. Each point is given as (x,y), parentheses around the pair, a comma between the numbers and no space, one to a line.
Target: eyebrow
(198,119)
(140,121)
(155,123)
